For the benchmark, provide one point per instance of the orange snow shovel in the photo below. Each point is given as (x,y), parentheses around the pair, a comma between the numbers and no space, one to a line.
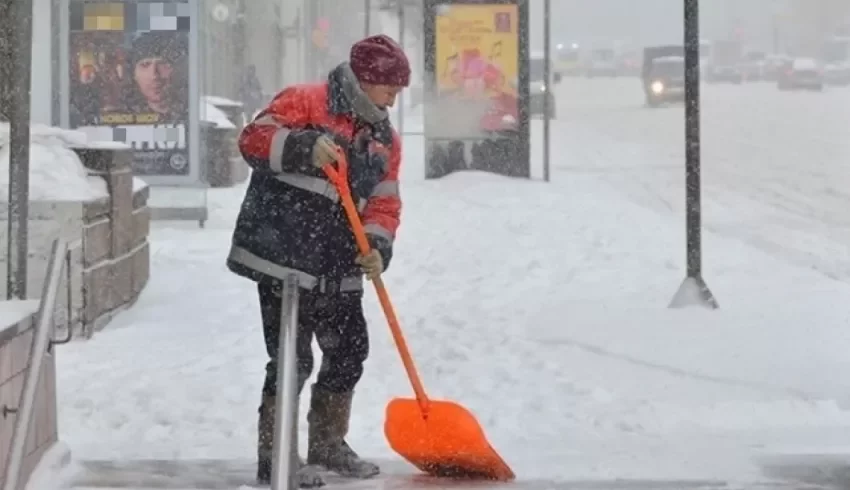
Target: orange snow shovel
(440,438)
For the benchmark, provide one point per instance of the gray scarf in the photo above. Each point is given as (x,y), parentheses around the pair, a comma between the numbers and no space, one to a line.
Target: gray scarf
(360,103)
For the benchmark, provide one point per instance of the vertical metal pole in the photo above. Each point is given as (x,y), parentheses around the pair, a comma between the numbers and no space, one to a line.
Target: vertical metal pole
(367,7)
(401,30)
(311,61)
(692,140)
(693,288)
(64,63)
(285,454)
(774,32)
(197,172)
(521,167)
(301,42)
(429,85)
(241,43)
(55,64)
(15,88)
(547,77)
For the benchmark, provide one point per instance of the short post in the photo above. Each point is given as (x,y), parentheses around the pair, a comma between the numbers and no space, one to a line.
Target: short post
(693,291)
(285,454)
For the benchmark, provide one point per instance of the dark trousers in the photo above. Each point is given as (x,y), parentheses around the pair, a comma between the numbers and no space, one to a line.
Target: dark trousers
(338,324)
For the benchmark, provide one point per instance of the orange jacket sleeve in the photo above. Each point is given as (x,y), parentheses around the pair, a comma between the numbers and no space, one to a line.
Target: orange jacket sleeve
(279,138)
(382,214)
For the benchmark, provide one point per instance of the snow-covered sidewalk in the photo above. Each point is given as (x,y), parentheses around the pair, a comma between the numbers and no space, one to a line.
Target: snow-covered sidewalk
(542,308)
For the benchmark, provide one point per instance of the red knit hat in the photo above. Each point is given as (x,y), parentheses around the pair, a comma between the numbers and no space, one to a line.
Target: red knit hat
(380,61)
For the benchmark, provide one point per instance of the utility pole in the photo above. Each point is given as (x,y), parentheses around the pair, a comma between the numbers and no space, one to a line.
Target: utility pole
(547,76)
(15,88)
(240,24)
(694,290)
(367,15)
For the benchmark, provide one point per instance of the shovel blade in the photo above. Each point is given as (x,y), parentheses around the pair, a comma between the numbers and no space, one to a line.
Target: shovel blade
(449,443)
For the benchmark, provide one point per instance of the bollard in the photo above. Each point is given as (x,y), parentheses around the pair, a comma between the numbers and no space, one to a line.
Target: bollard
(285,453)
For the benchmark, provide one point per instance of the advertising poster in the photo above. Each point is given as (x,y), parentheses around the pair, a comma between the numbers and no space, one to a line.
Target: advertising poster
(129,70)
(477,68)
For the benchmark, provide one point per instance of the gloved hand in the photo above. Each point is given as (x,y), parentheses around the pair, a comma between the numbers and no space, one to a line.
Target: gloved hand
(324,151)
(372,264)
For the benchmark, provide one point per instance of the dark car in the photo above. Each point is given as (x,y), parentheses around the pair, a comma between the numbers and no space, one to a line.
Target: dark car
(540,90)
(717,73)
(837,74)
(663,75)
(801,74)
(602,63)
(725,63)
(629,63)
(774,64)
(836,58)
(753,66)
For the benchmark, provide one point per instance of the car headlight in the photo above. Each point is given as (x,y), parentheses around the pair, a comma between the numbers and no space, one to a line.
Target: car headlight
(657,87)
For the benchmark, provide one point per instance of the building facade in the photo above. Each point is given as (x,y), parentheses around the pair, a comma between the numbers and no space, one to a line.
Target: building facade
(811,22)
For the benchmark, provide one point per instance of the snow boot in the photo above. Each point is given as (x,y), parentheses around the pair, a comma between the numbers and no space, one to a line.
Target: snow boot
(308,477)
(328,421)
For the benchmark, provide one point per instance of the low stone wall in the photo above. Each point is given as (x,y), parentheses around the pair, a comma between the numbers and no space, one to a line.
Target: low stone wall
(108,263)
(115,256)
(16,337)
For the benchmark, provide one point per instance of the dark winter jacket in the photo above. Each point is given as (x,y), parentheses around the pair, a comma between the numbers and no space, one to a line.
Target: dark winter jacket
(291,219)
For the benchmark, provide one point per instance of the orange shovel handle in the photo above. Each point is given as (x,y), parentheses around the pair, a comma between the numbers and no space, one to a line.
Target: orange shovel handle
(340,180)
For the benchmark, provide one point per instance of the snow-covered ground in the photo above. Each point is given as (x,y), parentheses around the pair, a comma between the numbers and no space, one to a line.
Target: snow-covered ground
(56,172)
(776,166)
(541,307)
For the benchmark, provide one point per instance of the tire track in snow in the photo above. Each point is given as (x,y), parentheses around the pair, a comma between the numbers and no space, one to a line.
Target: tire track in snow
(679,372)
(643,189)
(802,191)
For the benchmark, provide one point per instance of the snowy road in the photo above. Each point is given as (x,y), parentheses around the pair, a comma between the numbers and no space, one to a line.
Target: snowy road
(542,308)
(776,165)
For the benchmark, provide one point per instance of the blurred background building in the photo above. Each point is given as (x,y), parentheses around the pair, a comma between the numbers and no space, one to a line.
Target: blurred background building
(295,40)
(773,25)
(285,40)
(808,21)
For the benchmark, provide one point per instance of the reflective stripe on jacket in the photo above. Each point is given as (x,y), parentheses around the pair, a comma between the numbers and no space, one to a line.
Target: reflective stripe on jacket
(291,219)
